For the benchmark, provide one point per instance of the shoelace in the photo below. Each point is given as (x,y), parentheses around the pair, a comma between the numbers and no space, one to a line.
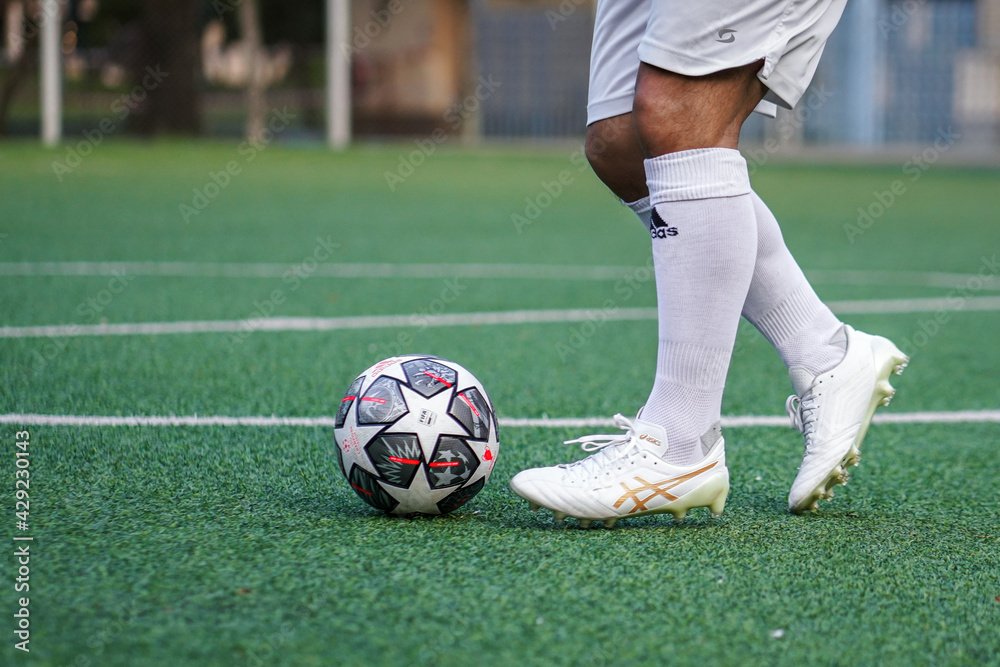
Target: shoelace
(800,413)
(608,448)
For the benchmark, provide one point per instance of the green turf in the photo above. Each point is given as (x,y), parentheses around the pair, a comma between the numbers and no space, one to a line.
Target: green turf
(244,546)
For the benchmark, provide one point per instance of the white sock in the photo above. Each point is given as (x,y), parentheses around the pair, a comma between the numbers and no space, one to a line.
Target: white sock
(781,303)
(704,243)
(643,209)
(783,306)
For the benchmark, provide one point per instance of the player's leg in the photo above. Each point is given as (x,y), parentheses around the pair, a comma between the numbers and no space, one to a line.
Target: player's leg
(633,473)
(672,457)
(704,239)
(839,375)
(780,303)
(578,489)
(616,157)
(783,306)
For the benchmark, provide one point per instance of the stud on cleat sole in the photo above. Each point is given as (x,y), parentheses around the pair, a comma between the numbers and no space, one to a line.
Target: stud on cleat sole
(610,523)
(534,506)
(884,389)
(585,523)
(718,505)
(559,516)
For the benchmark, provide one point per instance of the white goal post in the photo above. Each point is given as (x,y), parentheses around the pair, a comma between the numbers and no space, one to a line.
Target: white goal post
(338,73)
(50,66)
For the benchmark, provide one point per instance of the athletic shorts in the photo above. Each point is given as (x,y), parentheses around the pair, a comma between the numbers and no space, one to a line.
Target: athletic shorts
(699,37)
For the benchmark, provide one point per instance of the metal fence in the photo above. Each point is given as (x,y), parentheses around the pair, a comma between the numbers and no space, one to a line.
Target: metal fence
(895,71)
(542,55)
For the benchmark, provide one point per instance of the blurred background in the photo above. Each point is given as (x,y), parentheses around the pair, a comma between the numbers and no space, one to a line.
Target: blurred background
(896,73)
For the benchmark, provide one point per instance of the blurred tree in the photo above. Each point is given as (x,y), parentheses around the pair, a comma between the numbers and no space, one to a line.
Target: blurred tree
(171,31)
(25,59)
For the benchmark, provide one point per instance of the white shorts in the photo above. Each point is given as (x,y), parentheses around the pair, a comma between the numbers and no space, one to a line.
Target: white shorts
(699,37)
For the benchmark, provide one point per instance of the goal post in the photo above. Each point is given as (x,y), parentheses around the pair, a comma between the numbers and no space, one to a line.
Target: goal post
(338,74)
(50,69)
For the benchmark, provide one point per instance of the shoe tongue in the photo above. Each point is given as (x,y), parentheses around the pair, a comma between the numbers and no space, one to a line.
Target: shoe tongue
(801,379)
(651,436)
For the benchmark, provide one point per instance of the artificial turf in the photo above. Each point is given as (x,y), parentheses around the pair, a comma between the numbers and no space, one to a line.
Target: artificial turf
(244,545)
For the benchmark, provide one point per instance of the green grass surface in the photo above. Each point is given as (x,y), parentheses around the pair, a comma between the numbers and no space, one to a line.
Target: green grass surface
(244,546)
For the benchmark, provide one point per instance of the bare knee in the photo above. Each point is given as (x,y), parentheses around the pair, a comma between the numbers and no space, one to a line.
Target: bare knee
(613,151)
(605,142)
(673,112)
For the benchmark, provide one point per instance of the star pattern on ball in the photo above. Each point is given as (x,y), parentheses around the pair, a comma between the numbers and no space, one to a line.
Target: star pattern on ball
(415,499)
(444,424)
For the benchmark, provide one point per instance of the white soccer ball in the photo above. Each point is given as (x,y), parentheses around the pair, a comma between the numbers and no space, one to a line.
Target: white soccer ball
(416,434)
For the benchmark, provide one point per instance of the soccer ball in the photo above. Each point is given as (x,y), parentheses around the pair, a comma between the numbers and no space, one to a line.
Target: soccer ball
(416,434)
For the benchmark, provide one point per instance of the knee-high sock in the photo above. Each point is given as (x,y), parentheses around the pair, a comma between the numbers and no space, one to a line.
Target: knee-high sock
(643,210)
(704,243)
(781,303)
(783,306)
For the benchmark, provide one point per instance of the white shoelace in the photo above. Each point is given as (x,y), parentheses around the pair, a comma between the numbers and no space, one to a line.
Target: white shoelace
(608,448)
(800,413)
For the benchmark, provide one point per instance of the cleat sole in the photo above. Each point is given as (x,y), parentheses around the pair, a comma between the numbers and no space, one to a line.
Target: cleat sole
(711,494)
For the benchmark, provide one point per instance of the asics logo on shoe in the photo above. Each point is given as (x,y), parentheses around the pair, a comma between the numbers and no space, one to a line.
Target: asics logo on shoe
(659,229)
(652,490)
(649,438)
(727,36)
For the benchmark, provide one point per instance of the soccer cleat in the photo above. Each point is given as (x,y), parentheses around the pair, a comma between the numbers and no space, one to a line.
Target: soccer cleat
(626,475)
(833,411)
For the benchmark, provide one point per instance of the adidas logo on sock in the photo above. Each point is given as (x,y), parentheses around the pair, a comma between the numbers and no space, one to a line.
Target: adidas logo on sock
(659,229)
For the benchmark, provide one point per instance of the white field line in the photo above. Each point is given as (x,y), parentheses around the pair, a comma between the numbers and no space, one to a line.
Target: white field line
(875,306)
(737,421)
(913,278)
(328,270)
(390,270)
(327,323)
(919,305)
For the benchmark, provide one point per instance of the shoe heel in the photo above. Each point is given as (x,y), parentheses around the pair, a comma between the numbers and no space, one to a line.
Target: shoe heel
(889,358)
(712,494)
(719,504)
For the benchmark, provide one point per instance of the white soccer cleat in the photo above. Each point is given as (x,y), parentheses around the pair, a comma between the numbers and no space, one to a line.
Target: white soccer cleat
(833,411)
(627,476)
